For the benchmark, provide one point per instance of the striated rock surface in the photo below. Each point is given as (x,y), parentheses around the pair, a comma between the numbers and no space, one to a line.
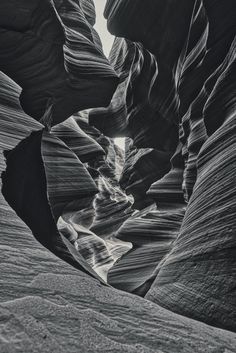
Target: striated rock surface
(200,269)
(134,106)
(44,300)
(156,221)
(85,147)
(194,86)
(142,166)
(152,233)
(52,51)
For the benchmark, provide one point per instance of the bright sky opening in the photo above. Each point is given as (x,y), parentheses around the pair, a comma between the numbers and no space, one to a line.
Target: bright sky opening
(107,41)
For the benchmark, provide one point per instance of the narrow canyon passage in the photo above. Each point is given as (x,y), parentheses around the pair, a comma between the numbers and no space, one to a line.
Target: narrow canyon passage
(118,193)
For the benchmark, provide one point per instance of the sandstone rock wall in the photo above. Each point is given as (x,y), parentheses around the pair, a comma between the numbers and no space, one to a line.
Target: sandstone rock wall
(156,220)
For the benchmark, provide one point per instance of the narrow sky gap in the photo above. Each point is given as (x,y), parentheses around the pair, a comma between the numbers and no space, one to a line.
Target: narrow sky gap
(107,41)
(101,27)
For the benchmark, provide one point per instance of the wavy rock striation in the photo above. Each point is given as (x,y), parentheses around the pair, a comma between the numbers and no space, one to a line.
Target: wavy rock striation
(156,220)
(200,269)
(52,51)
(194,88)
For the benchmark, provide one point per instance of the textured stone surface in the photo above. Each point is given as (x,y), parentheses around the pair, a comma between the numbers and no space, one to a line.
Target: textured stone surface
(198,277)
(52,51)
(47,305)
(156,220)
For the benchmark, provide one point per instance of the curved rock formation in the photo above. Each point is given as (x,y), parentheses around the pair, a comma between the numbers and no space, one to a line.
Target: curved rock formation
(152,233)
(141,167)
(54,190)
(134,107)
(156,220)
(200,269)
(195,74)
(52,51)
(41,190)
(85,148)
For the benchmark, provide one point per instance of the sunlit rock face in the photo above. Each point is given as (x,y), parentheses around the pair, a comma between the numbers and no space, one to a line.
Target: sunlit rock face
(157,220)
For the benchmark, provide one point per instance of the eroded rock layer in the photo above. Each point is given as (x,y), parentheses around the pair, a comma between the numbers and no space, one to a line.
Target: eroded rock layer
(201,267)
(52,51)
(194,85)
(155,220)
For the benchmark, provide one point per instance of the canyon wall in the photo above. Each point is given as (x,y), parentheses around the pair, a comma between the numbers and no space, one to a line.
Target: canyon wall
(142,239)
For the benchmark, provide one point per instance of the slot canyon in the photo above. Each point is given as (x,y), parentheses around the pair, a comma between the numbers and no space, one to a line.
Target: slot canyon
(107,247)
